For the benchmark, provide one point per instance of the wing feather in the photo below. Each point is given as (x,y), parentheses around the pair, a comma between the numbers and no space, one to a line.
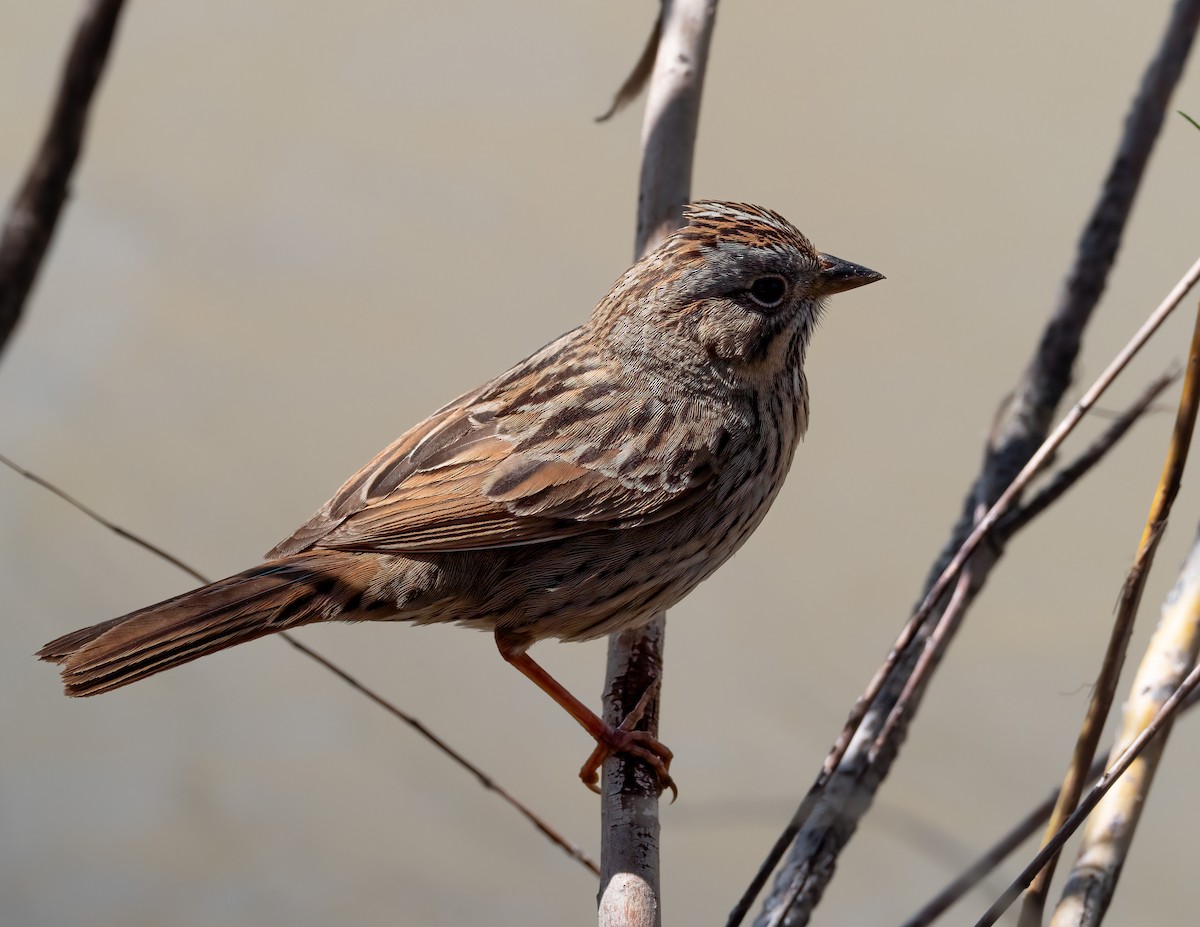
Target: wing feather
(528,458)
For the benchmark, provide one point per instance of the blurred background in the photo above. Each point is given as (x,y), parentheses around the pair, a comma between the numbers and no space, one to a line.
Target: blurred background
(299,228)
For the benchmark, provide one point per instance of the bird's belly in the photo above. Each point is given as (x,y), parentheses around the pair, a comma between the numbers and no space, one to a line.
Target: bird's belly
(614,580)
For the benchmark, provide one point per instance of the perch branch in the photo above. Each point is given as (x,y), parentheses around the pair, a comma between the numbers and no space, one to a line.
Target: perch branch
(629,855)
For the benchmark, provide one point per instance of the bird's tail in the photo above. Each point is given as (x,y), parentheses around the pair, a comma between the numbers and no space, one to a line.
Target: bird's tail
(282,594)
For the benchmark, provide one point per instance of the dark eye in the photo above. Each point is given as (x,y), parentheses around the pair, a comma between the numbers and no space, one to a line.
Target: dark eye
(768,291)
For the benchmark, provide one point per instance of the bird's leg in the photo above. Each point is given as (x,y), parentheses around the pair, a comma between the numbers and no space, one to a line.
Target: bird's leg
(609,739)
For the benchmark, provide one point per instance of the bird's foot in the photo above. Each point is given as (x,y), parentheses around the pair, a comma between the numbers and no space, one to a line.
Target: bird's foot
(639,744)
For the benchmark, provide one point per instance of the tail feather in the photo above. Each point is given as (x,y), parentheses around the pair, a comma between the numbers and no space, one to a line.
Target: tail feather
(273,597)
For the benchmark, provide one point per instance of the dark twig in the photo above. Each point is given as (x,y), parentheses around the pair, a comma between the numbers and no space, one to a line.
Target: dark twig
(947,625)
(34,214)
(991,858)
(857,769)
(484,779)
(847,782)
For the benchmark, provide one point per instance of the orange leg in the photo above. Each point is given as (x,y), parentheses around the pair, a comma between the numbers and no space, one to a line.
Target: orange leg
(609,739)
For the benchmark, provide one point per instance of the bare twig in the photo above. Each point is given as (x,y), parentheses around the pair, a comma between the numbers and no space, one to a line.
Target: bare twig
(1105,688)
(847,782)
(635,83)
(484,779)
(34,213)
(629,836)
(1172,650)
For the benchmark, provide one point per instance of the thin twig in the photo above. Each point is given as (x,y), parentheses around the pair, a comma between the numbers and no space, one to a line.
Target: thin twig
(484,779)
(984,526)
(846,796)
(1036,818)
(571,849)
(34,214)
(1162,719)
(936,643)
(629,854)
(1065,478)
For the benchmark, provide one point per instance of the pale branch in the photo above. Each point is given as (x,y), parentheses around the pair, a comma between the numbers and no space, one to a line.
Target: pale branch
(34,213)
(1172,650)
(1108,837)
(845,788)
(629,855)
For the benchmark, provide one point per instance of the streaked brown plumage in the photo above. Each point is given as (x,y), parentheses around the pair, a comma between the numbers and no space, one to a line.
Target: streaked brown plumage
(591,486)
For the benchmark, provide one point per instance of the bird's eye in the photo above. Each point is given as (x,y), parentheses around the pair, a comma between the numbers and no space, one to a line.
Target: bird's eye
(768,291)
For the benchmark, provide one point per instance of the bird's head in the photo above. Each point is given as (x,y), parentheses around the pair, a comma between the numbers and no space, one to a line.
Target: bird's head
(738,286)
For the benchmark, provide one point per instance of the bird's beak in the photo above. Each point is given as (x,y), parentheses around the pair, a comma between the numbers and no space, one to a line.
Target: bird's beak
(837,276)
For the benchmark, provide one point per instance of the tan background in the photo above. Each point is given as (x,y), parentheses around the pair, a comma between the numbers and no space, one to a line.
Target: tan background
(300,227)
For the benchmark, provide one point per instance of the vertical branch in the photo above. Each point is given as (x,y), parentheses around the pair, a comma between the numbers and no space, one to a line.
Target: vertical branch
(34,214)
(629,872)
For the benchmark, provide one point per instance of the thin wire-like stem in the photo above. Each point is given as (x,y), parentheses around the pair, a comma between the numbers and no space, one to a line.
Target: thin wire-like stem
(28,230)
(484,779)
